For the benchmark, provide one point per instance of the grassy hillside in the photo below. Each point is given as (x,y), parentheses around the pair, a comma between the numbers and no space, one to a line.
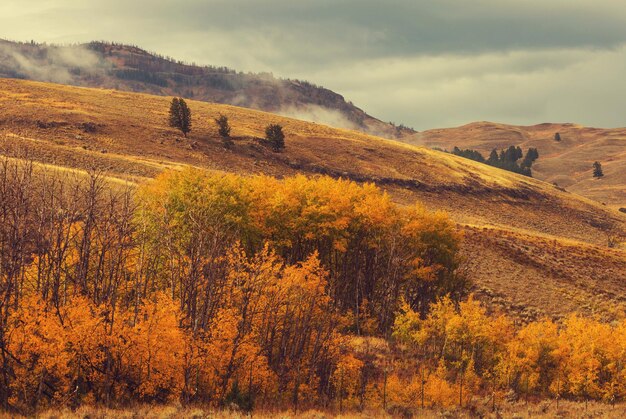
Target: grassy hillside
(567,163)
(531,247)
(129,68)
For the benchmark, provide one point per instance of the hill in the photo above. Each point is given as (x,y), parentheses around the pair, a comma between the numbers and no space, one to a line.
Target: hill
(129,68)
(531,248)
(567,163)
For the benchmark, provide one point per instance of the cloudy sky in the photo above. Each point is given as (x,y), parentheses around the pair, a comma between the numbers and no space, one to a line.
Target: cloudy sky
(425,63)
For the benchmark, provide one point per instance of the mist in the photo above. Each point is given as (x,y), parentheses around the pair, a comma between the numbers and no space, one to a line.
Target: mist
(57,64)
(318,114)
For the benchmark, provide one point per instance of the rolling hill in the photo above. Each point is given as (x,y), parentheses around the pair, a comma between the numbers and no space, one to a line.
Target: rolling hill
(567,163)
(531,248)
(129,68)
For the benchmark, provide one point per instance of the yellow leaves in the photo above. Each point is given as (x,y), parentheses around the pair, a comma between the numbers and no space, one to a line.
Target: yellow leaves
(589,350)
(407,326)
(191,218)
(312,209)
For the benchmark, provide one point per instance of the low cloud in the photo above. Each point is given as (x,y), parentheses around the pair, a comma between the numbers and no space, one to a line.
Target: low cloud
(54,64)
(318,114)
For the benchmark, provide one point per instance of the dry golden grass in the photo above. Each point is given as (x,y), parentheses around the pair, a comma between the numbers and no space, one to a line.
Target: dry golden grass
(502,210)
(532,277)
(482,408)
(568,162)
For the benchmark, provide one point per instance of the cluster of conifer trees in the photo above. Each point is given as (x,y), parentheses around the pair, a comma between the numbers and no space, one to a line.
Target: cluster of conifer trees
(508,159)
(219,289)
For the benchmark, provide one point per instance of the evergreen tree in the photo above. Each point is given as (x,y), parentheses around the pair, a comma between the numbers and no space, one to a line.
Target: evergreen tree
(180,116)
(557,137)
(174,112)
(275,136)
(511,154)
(531,155)
(597,170)
(223,128)
(493,157)
(469,154)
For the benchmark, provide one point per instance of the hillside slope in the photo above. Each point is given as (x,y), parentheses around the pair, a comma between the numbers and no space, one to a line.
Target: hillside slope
(128,68)
(531,247)
(567,163)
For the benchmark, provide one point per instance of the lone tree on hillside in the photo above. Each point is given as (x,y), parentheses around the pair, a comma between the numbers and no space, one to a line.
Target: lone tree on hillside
(275,136)
(597,170)
(223,128)
(557,137)
(180,115)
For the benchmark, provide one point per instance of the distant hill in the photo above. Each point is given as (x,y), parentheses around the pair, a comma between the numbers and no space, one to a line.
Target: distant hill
(567,162)
(129,68)
(531,248)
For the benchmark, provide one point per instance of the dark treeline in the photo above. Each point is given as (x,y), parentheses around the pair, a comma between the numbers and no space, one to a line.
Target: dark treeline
(508,159)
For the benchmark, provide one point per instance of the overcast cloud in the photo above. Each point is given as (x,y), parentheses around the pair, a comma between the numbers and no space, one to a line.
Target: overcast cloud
(425,63)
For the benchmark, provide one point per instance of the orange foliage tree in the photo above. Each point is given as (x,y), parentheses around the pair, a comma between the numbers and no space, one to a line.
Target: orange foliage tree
(221,289)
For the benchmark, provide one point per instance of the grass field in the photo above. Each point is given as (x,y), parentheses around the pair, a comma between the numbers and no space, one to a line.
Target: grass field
(532,248)
(567,162)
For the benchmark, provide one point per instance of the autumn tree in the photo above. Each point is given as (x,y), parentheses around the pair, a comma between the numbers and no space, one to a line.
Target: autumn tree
(214,289)
(180,116)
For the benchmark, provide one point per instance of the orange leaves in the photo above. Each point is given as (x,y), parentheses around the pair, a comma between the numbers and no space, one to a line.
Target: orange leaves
(369,246)
(347,379)
(220,287)
(37,345)
(151,348)
(75,353)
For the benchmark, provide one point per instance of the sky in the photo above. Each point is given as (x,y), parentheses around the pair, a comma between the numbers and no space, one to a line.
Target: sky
(424,63)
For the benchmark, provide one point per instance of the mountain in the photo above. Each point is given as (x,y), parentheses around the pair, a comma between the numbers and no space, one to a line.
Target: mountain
(531,248)
(566,163)
(129,68)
